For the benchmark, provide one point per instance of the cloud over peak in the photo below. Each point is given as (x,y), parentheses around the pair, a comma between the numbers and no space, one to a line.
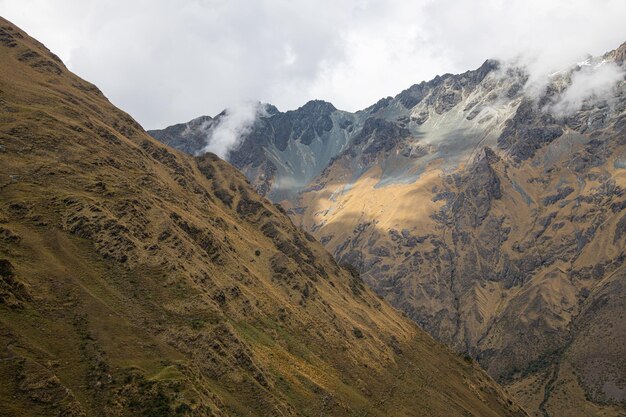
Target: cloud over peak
(590,83)
(230,127)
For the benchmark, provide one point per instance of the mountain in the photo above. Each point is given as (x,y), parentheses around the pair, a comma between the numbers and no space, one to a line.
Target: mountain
(136,280)
(282,153)
(490,211)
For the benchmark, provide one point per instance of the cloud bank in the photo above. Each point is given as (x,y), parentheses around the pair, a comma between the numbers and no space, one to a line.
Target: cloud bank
(167,61)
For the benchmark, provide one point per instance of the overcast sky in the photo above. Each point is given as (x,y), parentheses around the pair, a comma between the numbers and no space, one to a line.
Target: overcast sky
(166,62)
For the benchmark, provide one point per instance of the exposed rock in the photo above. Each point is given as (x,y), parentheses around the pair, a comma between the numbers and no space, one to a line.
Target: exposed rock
(529,130)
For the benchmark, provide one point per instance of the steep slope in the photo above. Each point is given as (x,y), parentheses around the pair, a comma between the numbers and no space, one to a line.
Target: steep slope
(494,220)
(136,280)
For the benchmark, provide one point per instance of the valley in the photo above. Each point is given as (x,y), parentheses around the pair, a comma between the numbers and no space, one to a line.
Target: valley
(491,215)
(136,280)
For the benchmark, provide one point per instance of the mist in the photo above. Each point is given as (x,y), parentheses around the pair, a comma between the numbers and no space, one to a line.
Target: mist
(231,127)
(589,84)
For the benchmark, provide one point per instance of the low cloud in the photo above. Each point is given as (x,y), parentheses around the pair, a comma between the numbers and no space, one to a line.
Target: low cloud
(589,84)
(226,133)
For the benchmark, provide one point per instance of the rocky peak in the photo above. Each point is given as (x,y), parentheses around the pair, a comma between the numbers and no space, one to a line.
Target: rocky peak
(618,55)
(199,121)
(479,74)
(446,85)
(317,107)
(270,109)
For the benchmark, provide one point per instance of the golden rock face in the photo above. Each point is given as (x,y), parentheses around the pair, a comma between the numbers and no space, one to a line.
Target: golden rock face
(136,280)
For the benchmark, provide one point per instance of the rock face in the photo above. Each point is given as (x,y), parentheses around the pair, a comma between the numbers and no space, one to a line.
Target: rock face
(136,280)
(282,152)
(493,221)
(285,153)
(188,137)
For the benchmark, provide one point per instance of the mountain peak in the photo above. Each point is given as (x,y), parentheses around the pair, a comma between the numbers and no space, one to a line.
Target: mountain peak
(317,107)
(618,55)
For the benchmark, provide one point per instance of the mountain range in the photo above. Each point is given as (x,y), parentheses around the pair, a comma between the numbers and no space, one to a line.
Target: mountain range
(488,206)
(136,280)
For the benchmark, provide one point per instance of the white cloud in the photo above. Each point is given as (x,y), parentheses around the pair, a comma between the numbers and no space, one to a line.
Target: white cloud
(231,127)
(290,56)
(589,84)
(167,61)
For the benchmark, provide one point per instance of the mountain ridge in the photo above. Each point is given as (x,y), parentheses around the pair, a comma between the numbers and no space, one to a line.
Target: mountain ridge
(492,222)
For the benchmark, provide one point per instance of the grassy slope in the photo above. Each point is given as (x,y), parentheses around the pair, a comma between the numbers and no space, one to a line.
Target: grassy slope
(135,280)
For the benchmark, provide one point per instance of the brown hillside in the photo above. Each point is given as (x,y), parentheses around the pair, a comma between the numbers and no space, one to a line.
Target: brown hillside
(135,280)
